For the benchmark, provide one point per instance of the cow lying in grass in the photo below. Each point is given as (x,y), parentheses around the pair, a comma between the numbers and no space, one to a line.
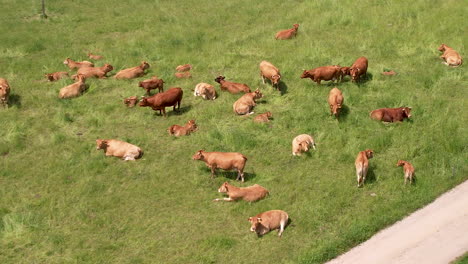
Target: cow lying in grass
(55,76)
(269,220)
(4,92)
(391,114)
(232,87)
(302,143)
(133,72)
(77,64)
(205,90)
(176,130)
(263,118)
(75,89)
(249,194)
(97,72)
(450,56)
(246,103)
(117,148)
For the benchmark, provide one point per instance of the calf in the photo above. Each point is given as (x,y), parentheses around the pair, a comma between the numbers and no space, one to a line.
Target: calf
(362,165)
(97,72)
(4,92)
(152,84)
(335,100)
(287,33)
(249,194)
(324,73)
(55,76)
(302,143)
(177,130)
(450,56)
(182,75)
(131,101)
(269,71)
(205,90)
(391,114)
(160,101)
(76,64)
(95,57)
(358,68)
(269,220)
(117,148)
(223,160)
(345,71)
(183,68)
(408,170)
(246,103)
(263,118)
(232,87)
(133,72)
(75,89)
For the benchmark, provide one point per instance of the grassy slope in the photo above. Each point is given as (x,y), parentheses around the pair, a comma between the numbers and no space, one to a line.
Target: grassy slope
(63,201)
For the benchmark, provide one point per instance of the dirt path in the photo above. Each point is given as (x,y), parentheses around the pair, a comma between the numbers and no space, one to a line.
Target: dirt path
(437,233)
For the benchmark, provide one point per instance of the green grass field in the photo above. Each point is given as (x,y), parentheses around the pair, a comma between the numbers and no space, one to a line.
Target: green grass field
(61,201)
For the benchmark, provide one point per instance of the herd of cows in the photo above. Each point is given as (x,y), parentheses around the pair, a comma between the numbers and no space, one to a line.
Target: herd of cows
(263,222)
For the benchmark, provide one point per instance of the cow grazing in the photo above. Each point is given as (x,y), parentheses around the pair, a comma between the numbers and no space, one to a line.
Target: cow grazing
(77,64)
(287,33)
(269,71)
(223,160)
(133,72)
(302,143)
(55,76)
(152,84)
(324,73)
(97,72)
(408,169)
(232,87)
(95,56)
(249,194)
(345,71)
(183,68)
(176,130)
(160,101)
(362,165)
(246,103)
(335,101)
(450,56)
(117,148)
(4,92)
(205,90)
(131,101)
(181,75)
(269,220)
(263,118)
(391,114)
(358,68)
(75,89)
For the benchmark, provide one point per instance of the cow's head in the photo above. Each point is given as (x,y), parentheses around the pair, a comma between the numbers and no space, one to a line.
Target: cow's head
(400,163)
(296,26)
(143,101)
(442,47)
(345,70)
(268,114)
(66,61)
(275,79)
(144,65)
(258,94)
(369,153)
(108,67)
(306,74)
(101,144)
(255,224)
(406,111)
(191,124)
(336,108)
(219,79)
(49,77)
(354,72)
(198,155)
(223,188)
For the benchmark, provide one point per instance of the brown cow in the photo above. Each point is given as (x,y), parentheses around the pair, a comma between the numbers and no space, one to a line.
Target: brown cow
(205,90)
(181,75)
(408,170)
(117,148)
(95,56)
(325,73)
(177,130)
(362,165)
(246,103)
(131,101)
(75,89)
(250,194)
(160,101)
(55,76)
(269,220)
(335,100)
(450,56)
(77,64)
(287,33)
(223,160)
(263,118)
(391,114)
(133,72)
(345,71)
(302,143)
(183,68)
(232,87)
(269,71)
(4,92)
(97,72)
(358,68)
(152,84)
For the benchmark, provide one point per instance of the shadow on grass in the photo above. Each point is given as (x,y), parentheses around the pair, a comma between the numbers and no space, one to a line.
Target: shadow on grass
(370,178)
(232,175)
(283,88)
(364,79)
(14,99)
(170,111)
(343,113)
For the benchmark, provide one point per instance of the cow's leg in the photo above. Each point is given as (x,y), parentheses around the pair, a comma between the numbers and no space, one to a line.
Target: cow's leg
(405,179)
(281,229)
(213,168)
(263,78)
(164,111)
(358,174)
(229,199)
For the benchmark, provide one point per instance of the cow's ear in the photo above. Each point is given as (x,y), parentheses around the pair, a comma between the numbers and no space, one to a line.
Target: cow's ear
(250,219)
(409,108)
(259,219)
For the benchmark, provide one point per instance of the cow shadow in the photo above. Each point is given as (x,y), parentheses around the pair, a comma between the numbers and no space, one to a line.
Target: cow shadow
(364,79)
(14,99)
(283,88)
(370,178)
(182,110)
(343,113)
(232,175)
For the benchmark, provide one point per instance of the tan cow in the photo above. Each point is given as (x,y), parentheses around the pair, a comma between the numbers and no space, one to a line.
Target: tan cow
(97,72)
(232,87)
(269,220)
(77,64)
(75,89)
(183,68)
(408,169)
(133,72)
(95,56)
(117,148)
(4,92)
(177,130)
(131,101)
(269,71)
(205,90)
(250,194)
(55,76)
(335,101)
(182,75)
(223,160)
(287,33)
(263,118)
(450,56)
(302,143)
(246,103)
(362,165)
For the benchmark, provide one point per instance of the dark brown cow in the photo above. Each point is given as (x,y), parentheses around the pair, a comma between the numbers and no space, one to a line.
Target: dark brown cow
(324,73)
(160,101)
(391,114)
(358,68)
(287,33)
